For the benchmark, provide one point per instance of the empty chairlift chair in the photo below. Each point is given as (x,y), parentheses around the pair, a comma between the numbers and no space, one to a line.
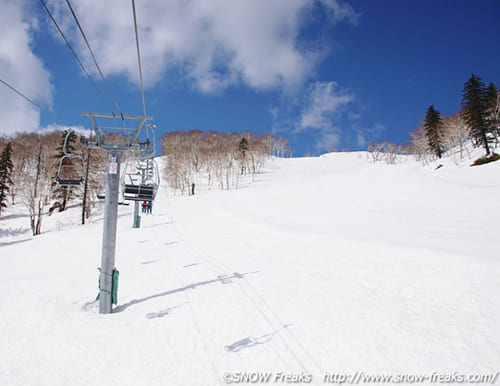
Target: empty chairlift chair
(71,170)
(140,180)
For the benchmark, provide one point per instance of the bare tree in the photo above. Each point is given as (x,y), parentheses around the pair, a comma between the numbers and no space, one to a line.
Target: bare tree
(218,157)
(419,145)
(376,151)
(95,164)
(35,188)
(456,134)
(385,151)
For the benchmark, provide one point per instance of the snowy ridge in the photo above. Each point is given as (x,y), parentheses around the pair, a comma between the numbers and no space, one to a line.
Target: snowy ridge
(327,264)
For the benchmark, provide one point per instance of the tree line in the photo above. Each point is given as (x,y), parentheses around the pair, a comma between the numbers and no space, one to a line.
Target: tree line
(477,121)
(29,163)
(221,159)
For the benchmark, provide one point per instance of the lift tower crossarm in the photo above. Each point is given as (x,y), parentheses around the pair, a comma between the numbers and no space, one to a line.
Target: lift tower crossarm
(124,116)
(100,136)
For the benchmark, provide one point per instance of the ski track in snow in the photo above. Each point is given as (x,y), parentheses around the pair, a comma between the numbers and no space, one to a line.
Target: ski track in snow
(246,304)
(328,264)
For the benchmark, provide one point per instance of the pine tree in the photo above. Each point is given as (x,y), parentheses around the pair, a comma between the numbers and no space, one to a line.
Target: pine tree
(6,167)
(491,99)
(474,111)
(433,124)
(243,148)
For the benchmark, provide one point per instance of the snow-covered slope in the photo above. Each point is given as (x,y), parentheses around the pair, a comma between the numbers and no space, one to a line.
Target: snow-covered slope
(322,265)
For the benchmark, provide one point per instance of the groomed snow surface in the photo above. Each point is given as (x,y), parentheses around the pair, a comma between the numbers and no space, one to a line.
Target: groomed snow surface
(321,265)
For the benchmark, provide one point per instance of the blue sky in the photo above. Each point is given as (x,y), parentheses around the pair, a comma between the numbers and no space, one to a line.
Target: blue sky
(324,74)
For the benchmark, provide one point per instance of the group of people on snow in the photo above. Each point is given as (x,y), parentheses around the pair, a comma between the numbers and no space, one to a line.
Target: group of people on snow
(147,207)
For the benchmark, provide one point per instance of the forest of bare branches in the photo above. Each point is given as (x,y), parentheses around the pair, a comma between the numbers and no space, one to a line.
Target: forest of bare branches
(35,157)
(221,159)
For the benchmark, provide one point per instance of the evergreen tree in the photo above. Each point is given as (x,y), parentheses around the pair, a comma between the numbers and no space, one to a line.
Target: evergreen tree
(433,124)
(474,111)
(6,167)
(64,194)
(491,99)
(243,146)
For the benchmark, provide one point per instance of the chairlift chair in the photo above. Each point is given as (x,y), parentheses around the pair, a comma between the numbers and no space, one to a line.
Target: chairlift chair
(71,170)
(140,179)
(70,174)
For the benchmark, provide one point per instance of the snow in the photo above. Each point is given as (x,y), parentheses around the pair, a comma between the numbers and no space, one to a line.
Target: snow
(326,264)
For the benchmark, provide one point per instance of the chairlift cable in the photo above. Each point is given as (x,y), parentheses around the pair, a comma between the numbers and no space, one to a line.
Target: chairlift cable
(139,58)
(35,104)
(93,57)
(72,50)
(60,181)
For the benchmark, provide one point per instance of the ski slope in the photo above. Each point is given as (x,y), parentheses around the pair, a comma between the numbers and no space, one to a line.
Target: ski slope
(321,265)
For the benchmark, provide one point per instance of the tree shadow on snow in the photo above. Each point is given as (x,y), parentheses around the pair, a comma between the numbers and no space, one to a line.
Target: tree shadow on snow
(253,341)
(13,216)
(159,224)
(14,242)
(13,231)
(224,279)
(149,262)
(165,312)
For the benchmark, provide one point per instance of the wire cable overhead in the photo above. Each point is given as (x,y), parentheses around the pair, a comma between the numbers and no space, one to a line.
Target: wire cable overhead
(139,58)
(71,49)
(34,104)
(93,56)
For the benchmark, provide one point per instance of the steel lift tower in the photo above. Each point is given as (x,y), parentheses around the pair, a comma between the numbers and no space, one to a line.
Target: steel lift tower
(108,280)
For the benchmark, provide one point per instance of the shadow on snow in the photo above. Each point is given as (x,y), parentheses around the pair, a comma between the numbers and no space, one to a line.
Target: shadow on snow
(253,341)
(221,278)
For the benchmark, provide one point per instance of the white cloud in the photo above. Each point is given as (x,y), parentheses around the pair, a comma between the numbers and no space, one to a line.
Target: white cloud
(214,43)
(21,69)
(323,107)
(327,141)
(324,102)
(340,11)
(368,134)
(80,130)
(323,112)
